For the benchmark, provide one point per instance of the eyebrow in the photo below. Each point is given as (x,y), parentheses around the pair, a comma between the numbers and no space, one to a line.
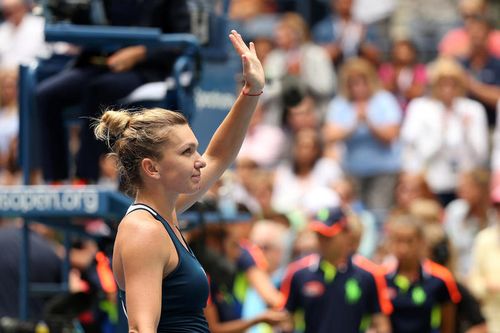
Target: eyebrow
(190,145)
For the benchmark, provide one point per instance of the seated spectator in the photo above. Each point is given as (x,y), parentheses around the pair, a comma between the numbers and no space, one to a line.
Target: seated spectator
(9,116)
(457,42)
(483,67)
(468,318)
(44,266)
(425,22)
(100,78)
(445,133)
(410,187)
(417,285)
(403,75)
(263,143)
(429,211)
(253,17)
(367,227)
(21,35)
(367,119)
(303,184)
(483,280)
(296,58)
(466,216)
(343,37)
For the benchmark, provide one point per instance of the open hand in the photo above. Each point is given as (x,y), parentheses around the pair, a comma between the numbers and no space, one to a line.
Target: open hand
(253,73)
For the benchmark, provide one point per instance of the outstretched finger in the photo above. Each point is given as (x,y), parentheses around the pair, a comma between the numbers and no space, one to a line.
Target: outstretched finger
(236,44)
(252,48)
(240,40)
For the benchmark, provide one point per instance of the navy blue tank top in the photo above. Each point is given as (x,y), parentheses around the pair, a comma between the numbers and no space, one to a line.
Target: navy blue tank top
(184,291)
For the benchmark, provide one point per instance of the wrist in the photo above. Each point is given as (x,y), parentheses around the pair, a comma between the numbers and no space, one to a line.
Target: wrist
(250,91)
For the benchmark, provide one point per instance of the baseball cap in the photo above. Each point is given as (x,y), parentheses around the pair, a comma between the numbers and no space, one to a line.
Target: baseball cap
(329,221)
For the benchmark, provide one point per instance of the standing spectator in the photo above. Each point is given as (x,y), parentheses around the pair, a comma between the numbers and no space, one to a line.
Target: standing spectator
(458,42)
(418,286)
(334,291)
(485,269)
(483,67)
(467,215)
(296,58)
(100,78)
(344,37)
(367,120)
(446,133)
(21,35)
(403,75)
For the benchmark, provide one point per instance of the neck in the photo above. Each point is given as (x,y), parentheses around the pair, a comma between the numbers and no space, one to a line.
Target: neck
(410,268)
(336,259)
(163,203)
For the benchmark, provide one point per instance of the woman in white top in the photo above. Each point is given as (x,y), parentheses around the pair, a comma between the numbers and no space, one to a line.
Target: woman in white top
(445,133)
(296,57)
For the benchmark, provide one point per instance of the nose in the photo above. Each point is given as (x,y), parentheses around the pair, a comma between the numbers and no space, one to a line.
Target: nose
(200,163)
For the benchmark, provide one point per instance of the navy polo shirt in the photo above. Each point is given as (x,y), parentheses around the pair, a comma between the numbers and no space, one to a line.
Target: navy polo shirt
(417,304)
(335,299)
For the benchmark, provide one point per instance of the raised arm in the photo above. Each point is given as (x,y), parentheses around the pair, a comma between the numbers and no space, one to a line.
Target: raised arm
(227,140)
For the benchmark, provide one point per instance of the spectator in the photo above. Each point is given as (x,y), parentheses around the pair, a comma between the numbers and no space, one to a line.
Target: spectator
(468,317)
(446,133)
(342,36)
(296,58)
(410,187)
(254,17)
(403,75)
(417,285)
(9,117)
(21,35)
(367,120)
(263,143)
(457,42)
(466,216)
(272,239)
(485,269)
(425,22)
(44,266)
(334,291)
(303,184)
(94,85)
(483,67)
(367,229)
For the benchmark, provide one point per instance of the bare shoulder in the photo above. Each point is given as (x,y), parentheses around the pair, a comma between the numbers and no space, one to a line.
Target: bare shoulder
(142,234)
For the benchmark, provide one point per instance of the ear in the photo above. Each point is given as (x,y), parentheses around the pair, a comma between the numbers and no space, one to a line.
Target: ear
(150,168)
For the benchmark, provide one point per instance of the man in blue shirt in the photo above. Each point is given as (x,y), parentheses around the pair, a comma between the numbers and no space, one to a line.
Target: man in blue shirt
(335,291)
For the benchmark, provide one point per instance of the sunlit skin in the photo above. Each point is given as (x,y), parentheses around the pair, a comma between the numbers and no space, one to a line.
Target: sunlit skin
(180,168)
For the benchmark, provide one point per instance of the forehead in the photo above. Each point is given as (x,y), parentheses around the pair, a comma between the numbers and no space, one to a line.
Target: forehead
(181,134)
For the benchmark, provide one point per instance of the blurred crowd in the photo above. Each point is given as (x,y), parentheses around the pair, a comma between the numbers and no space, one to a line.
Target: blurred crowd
(385,110)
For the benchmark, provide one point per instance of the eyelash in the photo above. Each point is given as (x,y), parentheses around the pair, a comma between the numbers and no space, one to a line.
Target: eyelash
(187,151)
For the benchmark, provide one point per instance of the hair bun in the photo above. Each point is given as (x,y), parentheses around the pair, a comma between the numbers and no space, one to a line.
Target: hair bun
(112,124)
